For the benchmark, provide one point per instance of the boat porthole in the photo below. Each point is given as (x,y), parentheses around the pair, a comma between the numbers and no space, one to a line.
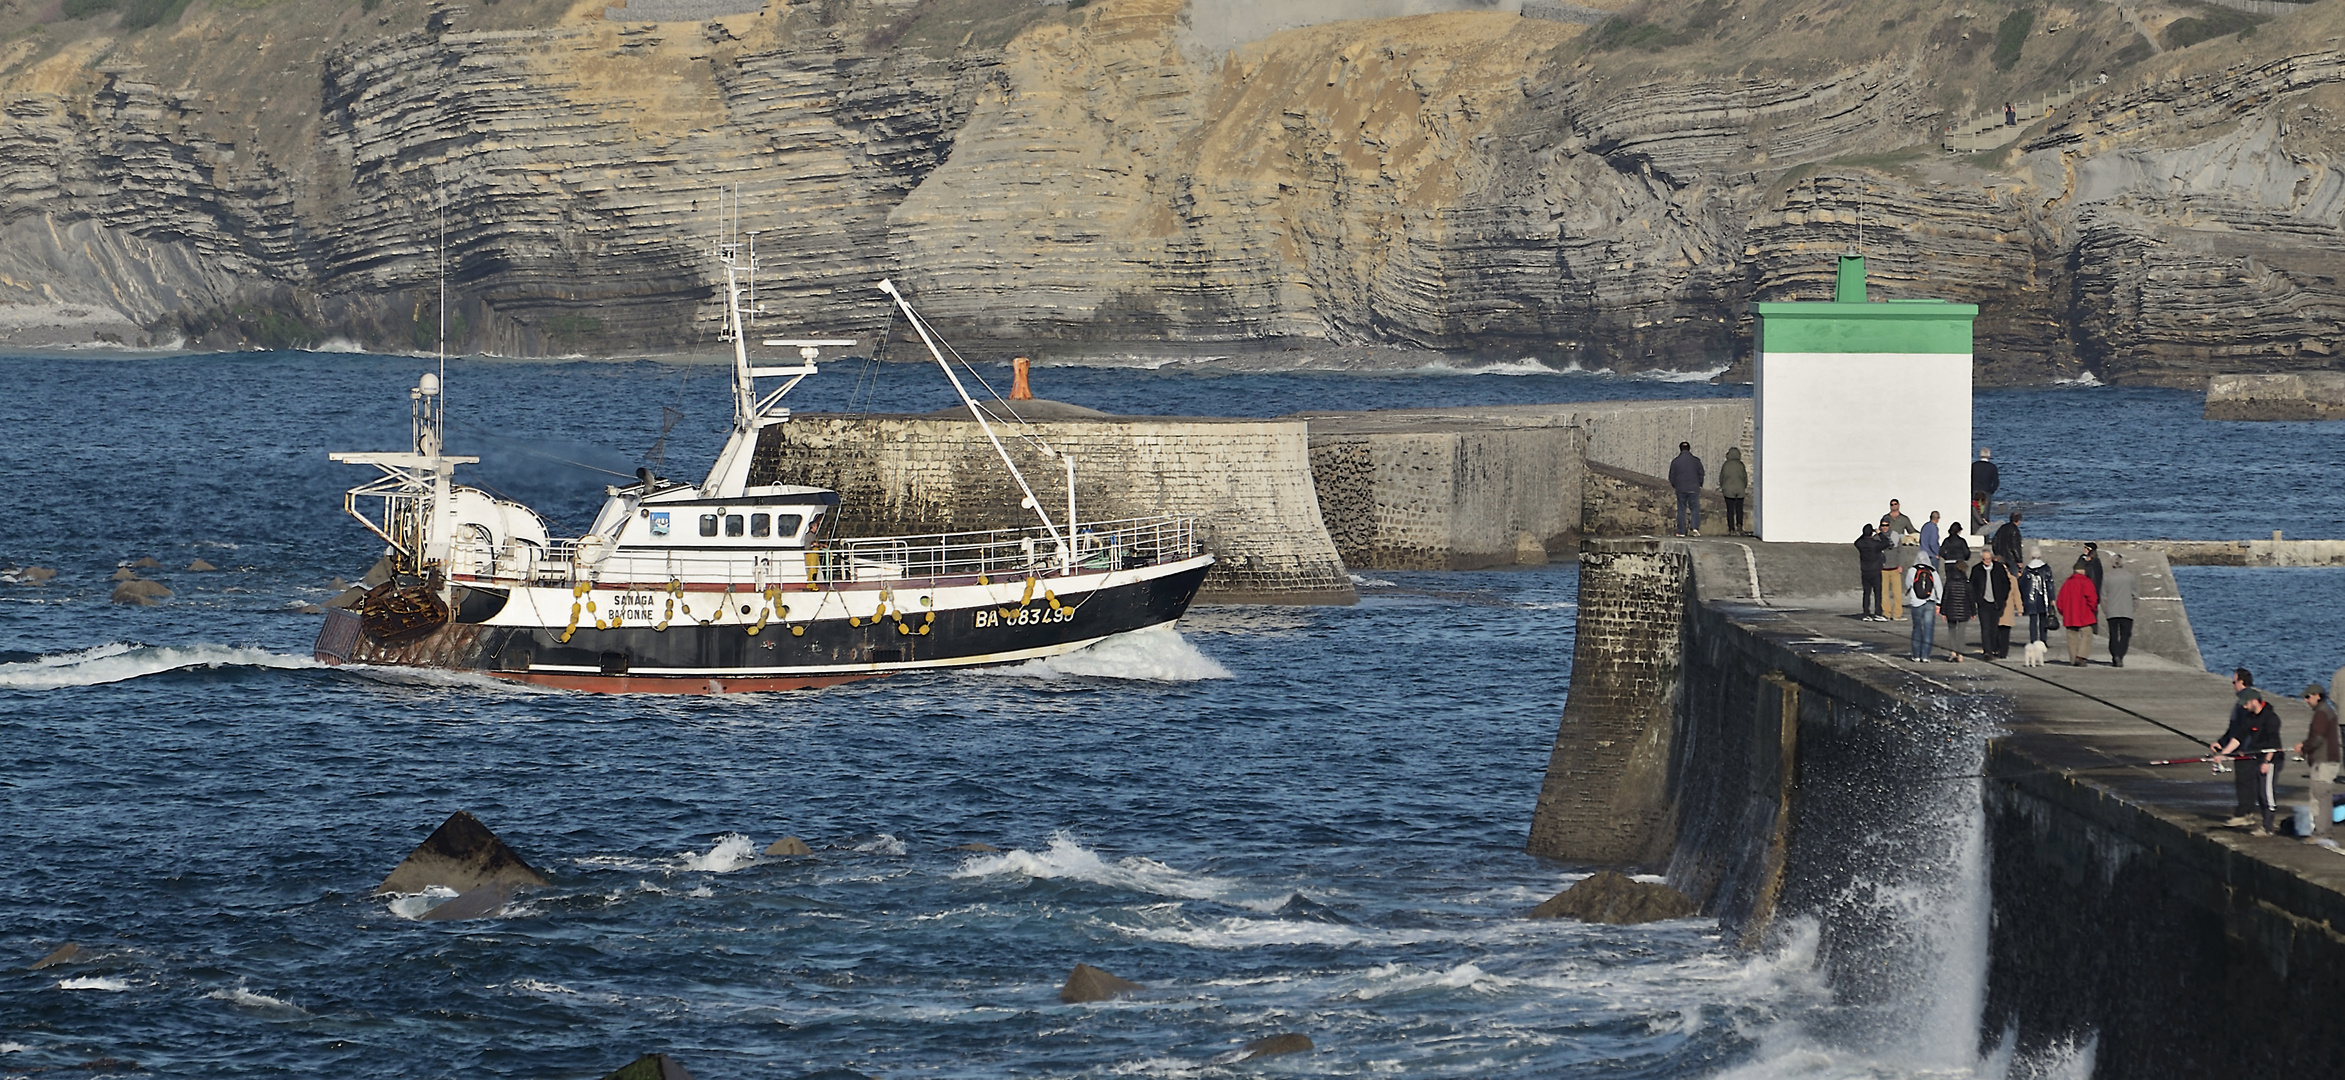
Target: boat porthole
(927,601)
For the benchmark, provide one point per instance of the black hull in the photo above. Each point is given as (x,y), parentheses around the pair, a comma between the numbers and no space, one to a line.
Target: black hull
(688,657)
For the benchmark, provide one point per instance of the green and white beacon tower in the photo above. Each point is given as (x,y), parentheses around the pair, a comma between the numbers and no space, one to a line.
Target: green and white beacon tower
(1856,404)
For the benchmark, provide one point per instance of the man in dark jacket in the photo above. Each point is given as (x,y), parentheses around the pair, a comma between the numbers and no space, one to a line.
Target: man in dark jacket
(1685,475)
(2006,542)
(1872,556)
(2253,724)
(1984,479)
(2091,562)
(1990,588)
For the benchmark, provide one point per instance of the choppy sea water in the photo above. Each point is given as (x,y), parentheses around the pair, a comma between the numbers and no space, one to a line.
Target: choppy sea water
(1301,820)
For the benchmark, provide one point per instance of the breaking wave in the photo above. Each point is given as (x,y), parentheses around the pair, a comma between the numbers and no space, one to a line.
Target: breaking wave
(1067,860)
(731,852)
(414,905)
(121,662)
(237,995)
(93,982)
(1683,376)
(1153,654)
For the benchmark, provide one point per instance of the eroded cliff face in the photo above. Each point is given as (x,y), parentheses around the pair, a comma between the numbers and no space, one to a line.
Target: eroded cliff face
(1610,197)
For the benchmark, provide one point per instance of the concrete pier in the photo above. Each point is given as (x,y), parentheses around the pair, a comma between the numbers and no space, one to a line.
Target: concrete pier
(2314,395)
(1769,750)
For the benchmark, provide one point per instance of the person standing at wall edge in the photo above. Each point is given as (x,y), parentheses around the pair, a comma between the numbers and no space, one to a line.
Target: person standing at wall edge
(1734,483)
(1686,475)
(2251,780)
(1985,479)
(2320,750)
(1872,557)
(2079,605)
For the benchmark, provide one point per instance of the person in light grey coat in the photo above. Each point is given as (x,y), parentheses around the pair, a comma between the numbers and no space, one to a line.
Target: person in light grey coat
(2119,588)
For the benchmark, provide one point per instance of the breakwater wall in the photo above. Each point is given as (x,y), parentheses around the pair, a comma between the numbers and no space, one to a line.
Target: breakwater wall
(1978,848)
(1247,483)
(2315,395)
(1286,505)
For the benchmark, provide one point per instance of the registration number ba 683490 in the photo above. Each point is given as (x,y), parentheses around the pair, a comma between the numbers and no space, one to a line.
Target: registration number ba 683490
(988,618)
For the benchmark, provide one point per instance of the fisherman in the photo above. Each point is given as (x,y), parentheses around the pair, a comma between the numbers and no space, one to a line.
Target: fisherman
(2320,752)
(2251,776)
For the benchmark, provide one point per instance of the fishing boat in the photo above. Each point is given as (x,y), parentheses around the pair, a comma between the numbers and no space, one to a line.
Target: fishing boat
(728,587)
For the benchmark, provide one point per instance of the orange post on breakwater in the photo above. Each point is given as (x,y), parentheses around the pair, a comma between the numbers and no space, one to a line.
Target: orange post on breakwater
(1019,391)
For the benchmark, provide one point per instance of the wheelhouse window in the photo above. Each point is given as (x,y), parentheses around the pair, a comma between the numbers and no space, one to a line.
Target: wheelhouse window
(761,524)
(732,524)
(786,525)
(708,524)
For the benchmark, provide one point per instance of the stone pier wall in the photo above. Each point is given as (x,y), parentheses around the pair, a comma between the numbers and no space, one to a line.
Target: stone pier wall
(1807,774)
(1247,483)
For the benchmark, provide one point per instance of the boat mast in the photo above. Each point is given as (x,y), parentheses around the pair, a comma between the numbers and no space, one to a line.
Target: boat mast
(1033,502)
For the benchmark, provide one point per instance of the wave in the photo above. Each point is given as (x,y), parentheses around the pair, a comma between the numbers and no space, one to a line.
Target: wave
(238,995)
(1524,366)
(413,905)
(731,852)
(1067,860)
(1682,376)
(1153,654)
(1245,933)
(882,844)
(122,661)
(13,1048)
(2086,379)
(94,982)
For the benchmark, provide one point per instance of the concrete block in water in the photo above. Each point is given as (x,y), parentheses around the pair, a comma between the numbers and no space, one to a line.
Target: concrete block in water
(462,854)
(1087,983)
(788,845)
(1283,1043)
(2311,395)
(64,954)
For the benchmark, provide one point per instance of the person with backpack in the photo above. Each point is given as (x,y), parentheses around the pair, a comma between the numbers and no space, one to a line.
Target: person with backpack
(2080,608)
(1922,593)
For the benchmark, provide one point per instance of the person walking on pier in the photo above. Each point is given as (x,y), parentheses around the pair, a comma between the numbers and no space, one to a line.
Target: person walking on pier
(1872,557)
(2252,728)
(1922,594)
(2118,587)
(2080,606)
(1984,480)
(2007,542)
(2035,597)
(1956,605)
(2091,561)
(1990,589)
(1734,483)
(1686,475)
(2321,754)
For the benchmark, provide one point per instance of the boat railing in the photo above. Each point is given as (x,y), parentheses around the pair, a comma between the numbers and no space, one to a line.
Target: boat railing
(1098,545)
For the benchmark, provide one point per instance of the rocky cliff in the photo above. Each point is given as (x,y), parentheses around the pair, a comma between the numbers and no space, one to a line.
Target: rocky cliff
(1609,191)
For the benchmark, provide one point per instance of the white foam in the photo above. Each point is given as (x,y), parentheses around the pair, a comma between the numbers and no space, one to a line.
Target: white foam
(238,995)
(883,844)
(1244,933)
(121,662)
(701,893)
(1066,859)
(2086,379)
(731,852)
(94,982)
(337,345)
(1524,366)
(538,987)
(13,1048)
(1683,376)
(1403,978)
(415,905)
(1153,654)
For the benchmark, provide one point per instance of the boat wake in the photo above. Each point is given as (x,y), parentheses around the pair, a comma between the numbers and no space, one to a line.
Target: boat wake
(1152,654)
(122,661)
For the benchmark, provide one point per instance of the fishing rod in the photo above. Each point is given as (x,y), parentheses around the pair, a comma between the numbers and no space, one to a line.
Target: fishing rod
(2214,758)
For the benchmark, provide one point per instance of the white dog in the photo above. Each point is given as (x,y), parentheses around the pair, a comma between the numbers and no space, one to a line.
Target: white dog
(2035,654)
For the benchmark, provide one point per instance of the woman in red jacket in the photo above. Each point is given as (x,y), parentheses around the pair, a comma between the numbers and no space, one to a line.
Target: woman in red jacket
(2080,609)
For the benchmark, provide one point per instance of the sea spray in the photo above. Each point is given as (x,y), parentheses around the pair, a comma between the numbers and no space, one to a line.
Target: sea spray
(731,852)
(1155,654)
(122,661)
